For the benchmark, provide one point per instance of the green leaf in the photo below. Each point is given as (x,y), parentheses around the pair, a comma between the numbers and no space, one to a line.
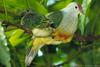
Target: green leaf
(83,18)
(59,5)
(38,7)
(9,33)
(43,2)
(16,5)
(17,37)
(83,21)
(4,50)
(87,59)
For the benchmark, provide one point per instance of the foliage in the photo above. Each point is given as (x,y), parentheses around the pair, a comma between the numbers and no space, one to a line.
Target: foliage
(19,17)
(5,56)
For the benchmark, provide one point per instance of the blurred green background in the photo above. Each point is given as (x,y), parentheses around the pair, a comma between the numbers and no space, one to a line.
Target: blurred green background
(18,17)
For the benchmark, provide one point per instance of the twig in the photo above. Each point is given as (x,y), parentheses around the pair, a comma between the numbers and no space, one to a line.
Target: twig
(87,38)
(19,26)
(76,36)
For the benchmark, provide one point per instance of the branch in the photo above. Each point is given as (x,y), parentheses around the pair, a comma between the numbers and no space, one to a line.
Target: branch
(76,36)
(87,38)
(19,26)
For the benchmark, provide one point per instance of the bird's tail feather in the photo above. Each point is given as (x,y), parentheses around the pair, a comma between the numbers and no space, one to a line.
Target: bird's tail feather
(31,55)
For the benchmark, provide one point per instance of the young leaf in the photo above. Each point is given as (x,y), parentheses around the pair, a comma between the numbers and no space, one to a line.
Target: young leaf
(17,37)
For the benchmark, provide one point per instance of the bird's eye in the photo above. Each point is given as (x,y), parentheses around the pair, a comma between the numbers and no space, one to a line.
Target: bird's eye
(76,7)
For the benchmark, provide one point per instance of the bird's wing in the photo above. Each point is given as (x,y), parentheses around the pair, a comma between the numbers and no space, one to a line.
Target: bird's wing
(55,17)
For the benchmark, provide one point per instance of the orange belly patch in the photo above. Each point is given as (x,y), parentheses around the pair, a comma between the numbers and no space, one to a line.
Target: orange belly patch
(62,37)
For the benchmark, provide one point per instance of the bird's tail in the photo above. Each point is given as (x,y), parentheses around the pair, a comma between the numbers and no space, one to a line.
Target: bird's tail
(31,55)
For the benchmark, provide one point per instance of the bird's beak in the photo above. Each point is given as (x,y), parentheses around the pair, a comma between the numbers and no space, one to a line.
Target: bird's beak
(80,9)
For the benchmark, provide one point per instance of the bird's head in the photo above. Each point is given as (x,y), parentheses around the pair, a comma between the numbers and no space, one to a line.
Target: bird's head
(74,7)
